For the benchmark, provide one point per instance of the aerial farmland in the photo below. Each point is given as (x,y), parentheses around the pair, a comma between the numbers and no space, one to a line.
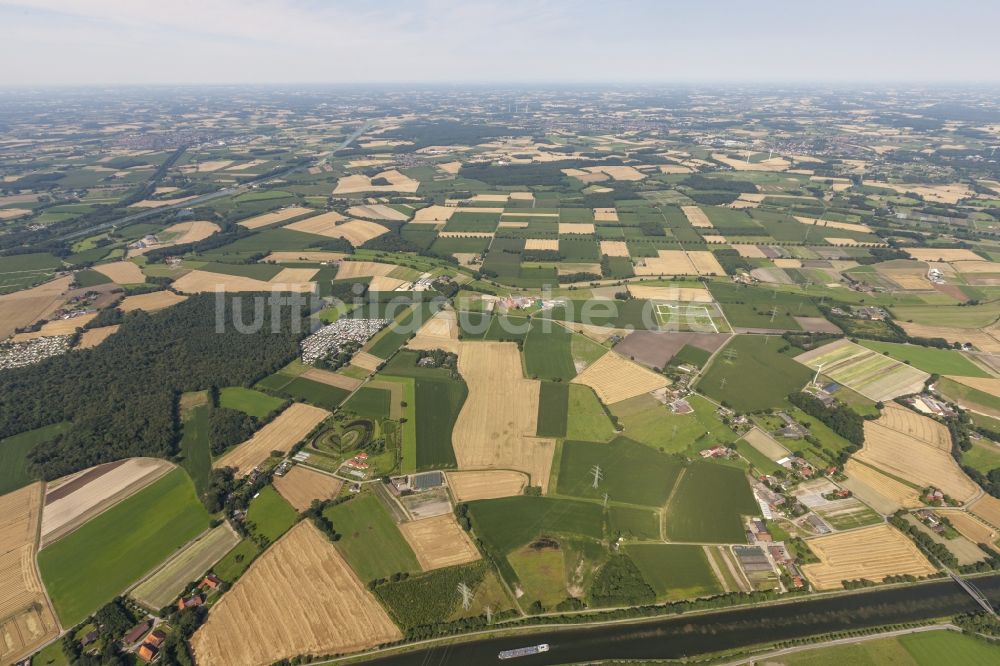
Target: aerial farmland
(354,373)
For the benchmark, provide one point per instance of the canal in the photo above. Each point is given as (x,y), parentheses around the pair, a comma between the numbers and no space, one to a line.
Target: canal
(676,636)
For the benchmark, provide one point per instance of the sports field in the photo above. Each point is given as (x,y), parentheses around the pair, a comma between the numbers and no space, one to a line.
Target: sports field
(686,318)
(89,567)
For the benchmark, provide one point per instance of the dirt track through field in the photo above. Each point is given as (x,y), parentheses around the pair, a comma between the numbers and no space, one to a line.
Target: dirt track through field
(281,434)
(300,597)
(497,424)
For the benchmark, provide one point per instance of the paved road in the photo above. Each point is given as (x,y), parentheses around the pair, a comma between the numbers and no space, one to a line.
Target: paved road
(229,191)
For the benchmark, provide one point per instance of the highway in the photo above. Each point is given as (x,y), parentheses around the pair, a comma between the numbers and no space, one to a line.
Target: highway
(229,191)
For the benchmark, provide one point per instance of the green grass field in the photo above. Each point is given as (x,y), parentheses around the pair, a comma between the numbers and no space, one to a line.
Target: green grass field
(270,515)
(983,456)
(634,523)
(315,393)
(965,316)
(541,574)
(548,353)
(438,403)
(89,567)
(370,540)
(752,307)
(236,561)
(371,402)
(708,503)
(388,341)
(249,401)
(932,648)
(586,418)
(929,359)
(510,522)
(631,472)
(648,421)
(967,396)
(14,450)
(750,375)
(196,450)
(675,572)
(553,408)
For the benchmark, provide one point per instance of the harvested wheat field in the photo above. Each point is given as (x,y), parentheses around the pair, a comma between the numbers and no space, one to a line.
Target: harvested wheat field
(696,216)
(541,244)
(915,425)
(354,269)
(575,228)
(614,248)
(905,457)
(385,283)
(301,485)
(439,542)
(300,597)
(122,272)
(13,213)
(333,225)
(331,378)
(26,620)
(73,500)
(672,294)
(705,263)
(765,444)
(294,275)
(366,360)
(398,182)
(846,226)
(281,434)
(151,302)
(450,168)
(987,508)
(971,527)
(618,172)
(179,234)
(187,564)
(378,212)
(990,385)
(95,336)
(615,378)
(434,214)
(885,494)
(497,424)
(258,221)
(667,262)
(195,282)
(787,263)
(605,215)
(981,340)
(27,306)
(56,327)
(293,257)
(749,251)
(469,486)
(871,553)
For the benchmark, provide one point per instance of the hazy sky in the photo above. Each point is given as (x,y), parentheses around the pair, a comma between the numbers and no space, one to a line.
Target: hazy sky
(273,41)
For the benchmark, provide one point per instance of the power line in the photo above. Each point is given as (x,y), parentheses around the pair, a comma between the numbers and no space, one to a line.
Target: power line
(598,474)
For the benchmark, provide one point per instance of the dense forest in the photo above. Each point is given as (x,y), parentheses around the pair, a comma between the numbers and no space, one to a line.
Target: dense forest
(120,396)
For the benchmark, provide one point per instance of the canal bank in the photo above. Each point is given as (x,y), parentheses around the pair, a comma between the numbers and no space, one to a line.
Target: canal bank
(679,636)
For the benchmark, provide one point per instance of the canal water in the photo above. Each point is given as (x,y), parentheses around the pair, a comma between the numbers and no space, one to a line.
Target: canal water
(678,636)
